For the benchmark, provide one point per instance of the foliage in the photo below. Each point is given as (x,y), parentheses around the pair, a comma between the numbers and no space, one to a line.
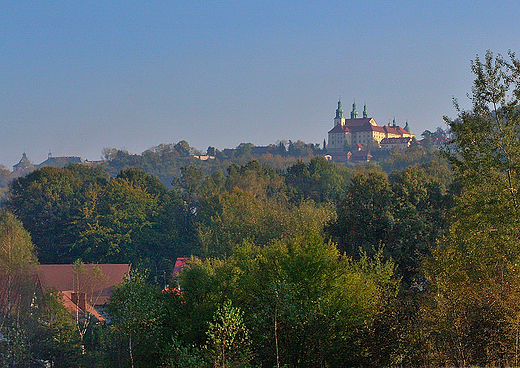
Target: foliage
(226,220)
(44,201)
(16,247)
(166,160)
(260,180)
(116,223)
(474,274)
(177,355)
(17,290)
(77,212)
(414,155)
(5,176)
(56,338)
(259,226)
(319,180)
(35,324)
(137,311)
(402,216)
(303,304)
(228,338)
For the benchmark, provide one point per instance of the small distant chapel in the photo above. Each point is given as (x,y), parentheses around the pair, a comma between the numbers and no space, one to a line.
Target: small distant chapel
(364,133)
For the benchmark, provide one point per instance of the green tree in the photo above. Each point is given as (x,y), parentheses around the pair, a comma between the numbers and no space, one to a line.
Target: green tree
(415,154)
(45,201)
(16,247)
(301,149)
(243,150)
(474,274)
(303,303)
(365,215)
(228,338)
(262,181)
(16,258)
(5,176)
(56,338)
(183,147)
(48,202)
(137,311)
(229,219)
(319,180)
(141,179)
(117,224)
(403,215)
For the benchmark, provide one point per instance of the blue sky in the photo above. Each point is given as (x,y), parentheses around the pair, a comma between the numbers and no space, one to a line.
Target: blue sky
(78,76)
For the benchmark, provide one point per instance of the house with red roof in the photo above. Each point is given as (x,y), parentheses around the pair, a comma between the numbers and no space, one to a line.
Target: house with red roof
(84,289)
(179,265)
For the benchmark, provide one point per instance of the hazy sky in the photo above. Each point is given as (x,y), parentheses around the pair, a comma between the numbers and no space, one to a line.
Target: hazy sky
(78,76)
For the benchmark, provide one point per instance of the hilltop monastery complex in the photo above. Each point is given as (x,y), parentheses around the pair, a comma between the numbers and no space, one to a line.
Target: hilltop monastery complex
(363,133)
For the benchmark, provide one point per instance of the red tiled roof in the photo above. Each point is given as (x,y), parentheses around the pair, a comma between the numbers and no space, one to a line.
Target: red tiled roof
(358,122)
(80,290)
(179,264)
(339,129)
(397,130)
(355,125)
(73,306)
(367,125)
(65,278)
(17,284)
(363,153)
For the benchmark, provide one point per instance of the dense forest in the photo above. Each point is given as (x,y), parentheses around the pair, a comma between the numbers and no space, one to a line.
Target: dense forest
(295,261)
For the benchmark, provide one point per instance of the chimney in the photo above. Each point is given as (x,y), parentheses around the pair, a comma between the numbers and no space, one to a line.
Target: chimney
(80,299)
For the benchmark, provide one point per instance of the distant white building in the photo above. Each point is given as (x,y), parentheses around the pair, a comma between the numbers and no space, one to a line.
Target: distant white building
(399,143)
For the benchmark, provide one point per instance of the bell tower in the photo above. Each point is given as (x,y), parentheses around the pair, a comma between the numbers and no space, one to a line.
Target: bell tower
(340,117)
(354,114)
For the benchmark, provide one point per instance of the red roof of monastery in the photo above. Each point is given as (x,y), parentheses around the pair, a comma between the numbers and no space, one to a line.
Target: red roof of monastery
(339,129)
(367,125)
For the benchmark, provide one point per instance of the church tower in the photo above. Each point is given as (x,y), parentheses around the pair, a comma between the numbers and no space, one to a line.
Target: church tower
(340,118)
(365,115)
(354,114)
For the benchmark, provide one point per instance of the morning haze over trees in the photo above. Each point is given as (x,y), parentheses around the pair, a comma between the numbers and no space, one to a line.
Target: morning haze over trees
(295,261)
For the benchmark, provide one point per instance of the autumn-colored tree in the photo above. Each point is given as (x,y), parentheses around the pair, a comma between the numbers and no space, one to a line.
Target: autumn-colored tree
(474,274)
(17,289)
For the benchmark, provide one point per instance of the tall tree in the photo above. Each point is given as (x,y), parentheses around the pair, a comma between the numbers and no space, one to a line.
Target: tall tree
(45,202)
(48,202)
(228,338)
(319,180)
(17,289)
(474,274)
(16,247)
(137,312)
(118,225)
